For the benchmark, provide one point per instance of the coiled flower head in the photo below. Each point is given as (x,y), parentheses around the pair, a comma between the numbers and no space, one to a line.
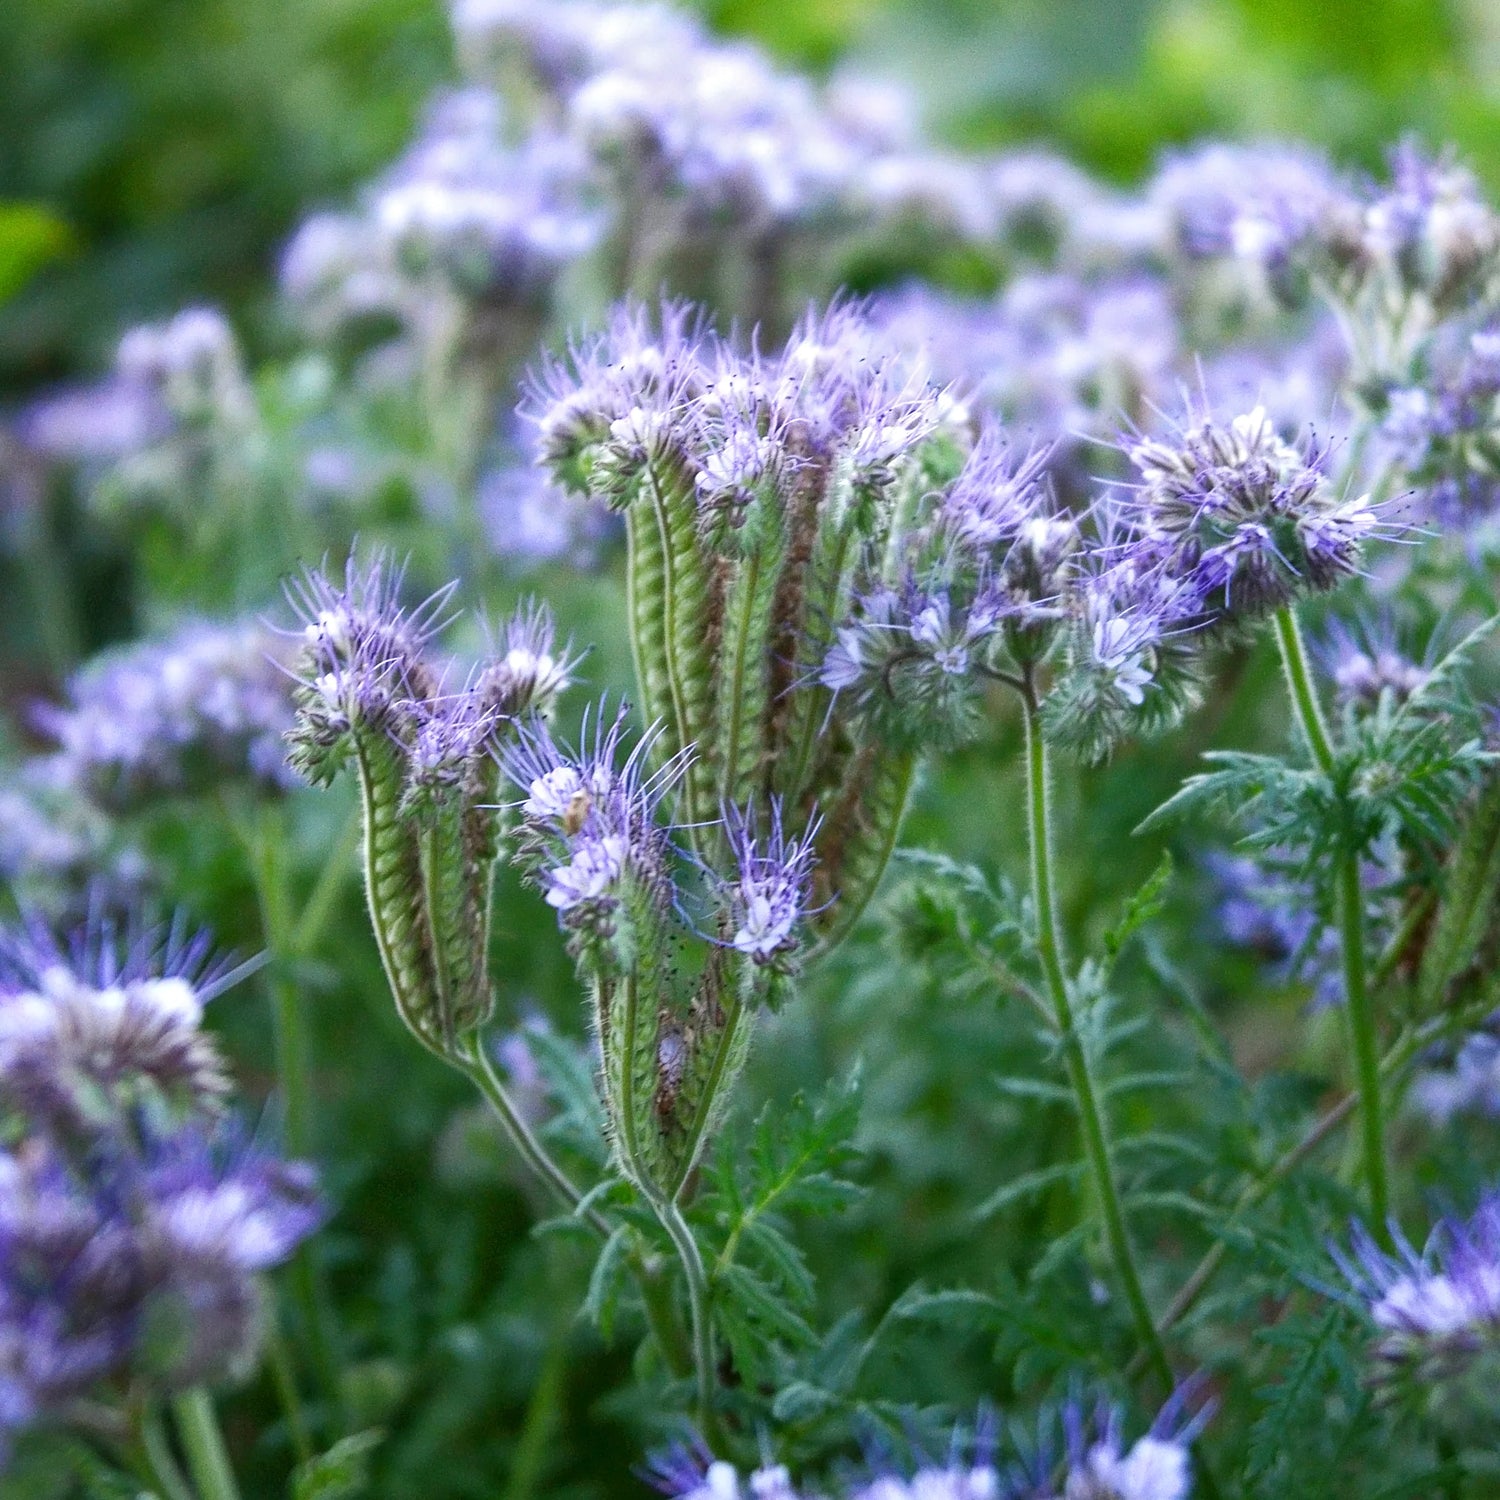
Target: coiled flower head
(1244,518)
(179,717)
(110,1021)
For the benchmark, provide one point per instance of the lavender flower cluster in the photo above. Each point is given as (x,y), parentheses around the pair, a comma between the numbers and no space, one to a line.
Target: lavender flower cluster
(135,1223)
(206,706)
(1092,1462)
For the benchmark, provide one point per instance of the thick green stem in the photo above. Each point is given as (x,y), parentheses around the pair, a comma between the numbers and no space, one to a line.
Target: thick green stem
(203,1444)
(702,1327)
(1359,1015)
(154,1459)
(1080,1074)
(1363,1042)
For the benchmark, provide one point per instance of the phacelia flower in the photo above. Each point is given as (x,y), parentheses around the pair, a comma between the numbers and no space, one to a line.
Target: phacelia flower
(590,823)
(206,706)
(1244,518)
(1445,432)
(768,896)
(363,660)
(1436,1312)
(137,1265)
(115,1015)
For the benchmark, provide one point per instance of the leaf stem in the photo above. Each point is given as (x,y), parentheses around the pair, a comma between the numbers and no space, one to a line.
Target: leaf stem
(1364,1044)
(1080,1074)
(203,1444)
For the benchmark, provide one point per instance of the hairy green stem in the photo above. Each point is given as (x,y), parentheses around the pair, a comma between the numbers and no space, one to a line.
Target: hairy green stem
(1080,1074)
(1364,1045)
(473,1059)
(694,1273)
(203,1444)
(155,1461)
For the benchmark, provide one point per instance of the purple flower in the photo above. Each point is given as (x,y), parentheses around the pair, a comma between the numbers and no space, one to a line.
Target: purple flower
(1267,205)
(138,1264)
(1243,517)
(1095,1463)
(589,822)
(1157,1466)
(1431,228)
(114,1015)
(1365,665)
(908,659)
(1438,1310)
(999,495)
(498,222)
(363,660)
(1445,433)
(669,389)
(769,894)
(527,669)
(208,705)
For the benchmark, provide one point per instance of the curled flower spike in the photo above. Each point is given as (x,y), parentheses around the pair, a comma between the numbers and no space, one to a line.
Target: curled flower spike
(998,494)
(528,670)
(205,707)
(363,660)
(1132,649)
(1244,518)
(116,1015)
(769,898)
(371,696)
(910,660)
(763,494)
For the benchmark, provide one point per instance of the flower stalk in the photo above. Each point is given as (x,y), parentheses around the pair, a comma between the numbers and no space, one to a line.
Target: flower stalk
(1364,1043)
(1080,1073)
(203,1445)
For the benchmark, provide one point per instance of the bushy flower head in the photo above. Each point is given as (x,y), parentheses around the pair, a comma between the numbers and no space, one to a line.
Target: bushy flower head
(499,222)
(591,820)
(113,1015)
(207,706)
(1431,229)
(363,659)
(1245,518)
(1445,431)
(138,1265)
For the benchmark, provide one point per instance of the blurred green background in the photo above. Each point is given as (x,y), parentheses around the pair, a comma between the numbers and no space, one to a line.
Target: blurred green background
(157,152)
